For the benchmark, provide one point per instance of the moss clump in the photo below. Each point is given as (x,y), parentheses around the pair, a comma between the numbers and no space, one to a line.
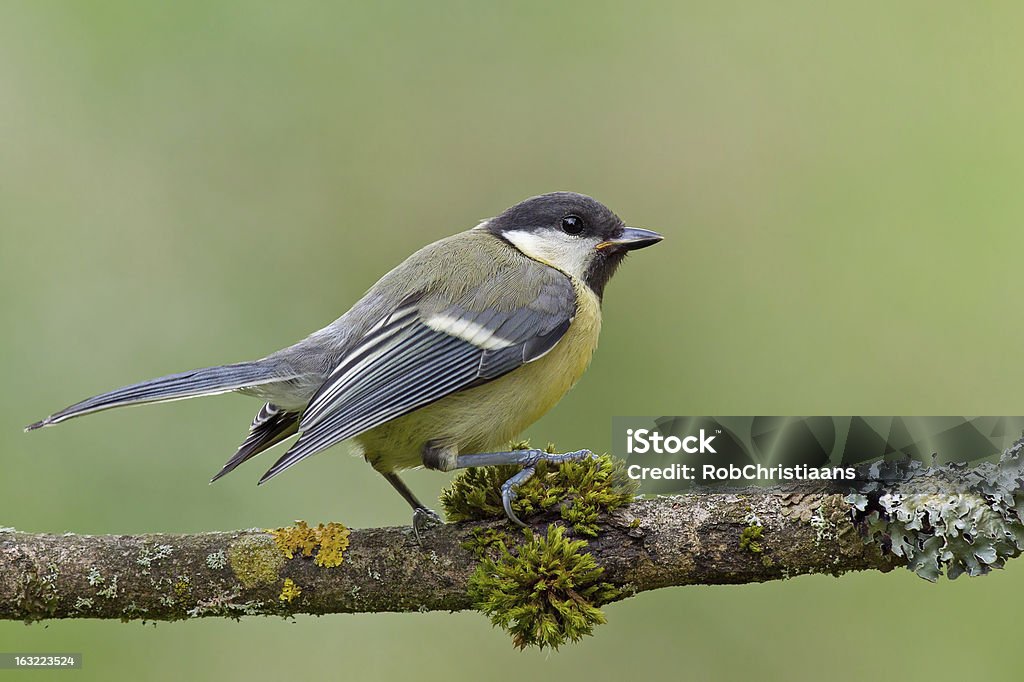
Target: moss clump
(328,541)
(255,560)
(289,591)
(39,596)
(750,539)
(484,539)
(581,491)
(545,594)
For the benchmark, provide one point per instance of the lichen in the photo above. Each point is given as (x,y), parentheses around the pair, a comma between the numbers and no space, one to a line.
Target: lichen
(329,542)
(953,519)
(149,556)
(225,605)
(38,597)
(255,560)
(750,539)
(183,586)
(823,530)
(289,591)
(546,593)
(110,591)
(580,491)
(131,612)
(216,560)
(334,539)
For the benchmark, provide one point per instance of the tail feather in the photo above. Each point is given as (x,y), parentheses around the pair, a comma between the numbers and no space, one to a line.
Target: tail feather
(271,426)
(198,382)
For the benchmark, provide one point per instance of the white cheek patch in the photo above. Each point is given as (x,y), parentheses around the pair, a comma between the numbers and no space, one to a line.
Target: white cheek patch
(467,330)
(571,255)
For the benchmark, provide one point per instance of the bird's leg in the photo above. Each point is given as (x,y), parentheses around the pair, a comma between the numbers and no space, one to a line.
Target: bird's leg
(422,517)
(525,458)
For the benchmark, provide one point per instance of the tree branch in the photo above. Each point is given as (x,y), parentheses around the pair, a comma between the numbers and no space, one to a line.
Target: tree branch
(952,518)
(694,539)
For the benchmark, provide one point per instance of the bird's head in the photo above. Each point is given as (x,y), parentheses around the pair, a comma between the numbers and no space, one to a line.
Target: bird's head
(571,232)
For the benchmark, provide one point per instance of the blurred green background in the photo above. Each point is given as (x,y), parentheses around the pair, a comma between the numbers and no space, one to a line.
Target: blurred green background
(190,183)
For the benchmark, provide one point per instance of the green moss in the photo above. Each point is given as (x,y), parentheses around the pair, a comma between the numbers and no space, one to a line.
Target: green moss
(38,596)
(579,491)
(483,539)
(255,560)
(545,594)
(329,542)
(750,539)
(289,591)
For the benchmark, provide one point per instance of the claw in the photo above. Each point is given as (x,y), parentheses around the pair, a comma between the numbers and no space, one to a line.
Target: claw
(422,519)
(509,494)
(529,462)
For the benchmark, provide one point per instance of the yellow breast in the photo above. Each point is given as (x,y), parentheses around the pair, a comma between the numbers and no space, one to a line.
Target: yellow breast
(485,418)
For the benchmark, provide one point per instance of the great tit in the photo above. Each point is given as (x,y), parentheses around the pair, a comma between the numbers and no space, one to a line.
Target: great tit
(445,359)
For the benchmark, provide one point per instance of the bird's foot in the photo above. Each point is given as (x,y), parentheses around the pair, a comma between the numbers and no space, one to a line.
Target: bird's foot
(424,519)
(529,460)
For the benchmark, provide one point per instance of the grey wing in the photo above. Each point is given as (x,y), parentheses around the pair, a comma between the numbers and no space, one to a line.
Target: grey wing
(425,350)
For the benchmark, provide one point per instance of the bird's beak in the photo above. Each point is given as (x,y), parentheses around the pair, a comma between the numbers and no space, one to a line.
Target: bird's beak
(632,238)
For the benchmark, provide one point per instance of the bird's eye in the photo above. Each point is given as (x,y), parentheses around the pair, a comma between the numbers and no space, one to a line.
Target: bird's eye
(572,224)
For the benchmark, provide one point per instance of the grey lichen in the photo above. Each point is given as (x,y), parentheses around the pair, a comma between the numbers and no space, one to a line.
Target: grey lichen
(955,520)
(216,560)
(823,529)
(225,605)
(131,611)
(148,556)
(110,591)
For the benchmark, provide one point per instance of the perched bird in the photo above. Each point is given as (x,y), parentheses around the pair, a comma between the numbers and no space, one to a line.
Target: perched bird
(444,360)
